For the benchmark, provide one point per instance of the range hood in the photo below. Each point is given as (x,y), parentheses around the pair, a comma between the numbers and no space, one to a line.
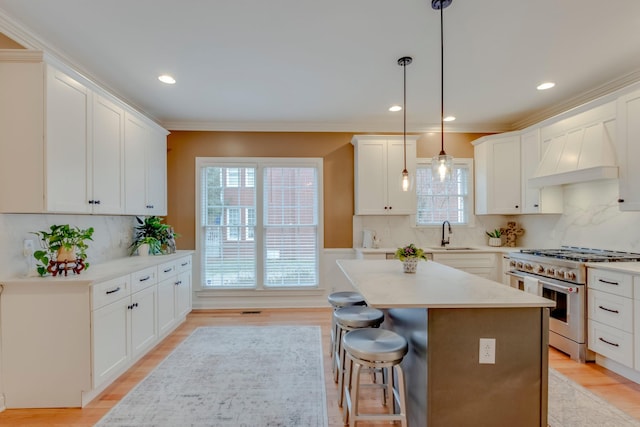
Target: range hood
(584,154)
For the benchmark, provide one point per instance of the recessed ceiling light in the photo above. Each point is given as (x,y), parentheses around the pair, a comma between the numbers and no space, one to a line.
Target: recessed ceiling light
(545,86)
(449,119)
(395,108)
(165,78)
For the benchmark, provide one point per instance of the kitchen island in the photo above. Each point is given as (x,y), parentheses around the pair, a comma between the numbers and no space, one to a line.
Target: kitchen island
(443,313)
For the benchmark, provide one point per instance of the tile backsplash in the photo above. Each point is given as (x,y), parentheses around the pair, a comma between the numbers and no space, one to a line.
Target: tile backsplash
(591,219)
(111,238)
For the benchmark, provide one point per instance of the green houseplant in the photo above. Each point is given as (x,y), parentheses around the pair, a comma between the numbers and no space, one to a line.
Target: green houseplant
(410,255)
(495,238)
(62,244)
(153,232)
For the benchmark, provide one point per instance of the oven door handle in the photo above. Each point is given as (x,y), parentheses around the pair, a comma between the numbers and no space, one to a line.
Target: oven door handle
(559,288)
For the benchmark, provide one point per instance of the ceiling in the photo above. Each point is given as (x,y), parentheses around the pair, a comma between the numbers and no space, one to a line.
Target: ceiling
(331,65)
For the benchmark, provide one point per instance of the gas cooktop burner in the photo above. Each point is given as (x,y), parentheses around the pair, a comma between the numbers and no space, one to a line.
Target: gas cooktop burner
(584,254)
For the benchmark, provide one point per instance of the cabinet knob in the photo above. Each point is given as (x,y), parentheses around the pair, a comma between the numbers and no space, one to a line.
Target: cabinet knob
(91,202)
(96,202)
(385,208)
(536,205)
(620,200)
(517,206)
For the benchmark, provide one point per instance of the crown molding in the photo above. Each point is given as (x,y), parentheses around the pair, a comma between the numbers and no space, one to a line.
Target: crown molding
(600,93)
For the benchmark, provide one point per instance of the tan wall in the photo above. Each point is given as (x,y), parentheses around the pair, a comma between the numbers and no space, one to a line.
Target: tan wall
(334,148)
(7,43)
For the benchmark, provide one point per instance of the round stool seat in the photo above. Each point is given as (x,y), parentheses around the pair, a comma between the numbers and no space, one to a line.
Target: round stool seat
(345,299)
(378,345)
(358,316)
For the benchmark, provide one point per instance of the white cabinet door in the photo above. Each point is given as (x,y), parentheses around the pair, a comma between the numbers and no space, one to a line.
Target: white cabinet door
(166,305)
(183,294)
(536,200)
(156,189)
(145,168)
(628,150)
(67,170)
(497,174)
(144,332)
(107,157)
(111,340)
(379,161)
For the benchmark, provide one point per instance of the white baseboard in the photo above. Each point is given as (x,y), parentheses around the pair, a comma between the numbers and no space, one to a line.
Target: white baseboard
(619,369)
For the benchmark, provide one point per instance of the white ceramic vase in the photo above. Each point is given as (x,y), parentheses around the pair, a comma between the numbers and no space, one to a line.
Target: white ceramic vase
(495,241)
(143,249)
(410,265)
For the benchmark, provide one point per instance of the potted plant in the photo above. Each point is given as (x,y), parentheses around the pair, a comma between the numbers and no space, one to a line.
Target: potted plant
(410,255)
(151,231)
(495,238)
(63,247)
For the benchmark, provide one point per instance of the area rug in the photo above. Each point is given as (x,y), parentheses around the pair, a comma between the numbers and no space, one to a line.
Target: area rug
(240,376)
(571,405)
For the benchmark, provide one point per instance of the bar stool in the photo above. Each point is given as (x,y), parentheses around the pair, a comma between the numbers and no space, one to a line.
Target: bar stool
(348,319)
(374,348)
(339,300)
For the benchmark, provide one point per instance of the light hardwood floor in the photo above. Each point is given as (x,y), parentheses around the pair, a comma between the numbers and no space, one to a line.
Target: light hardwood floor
(622,393)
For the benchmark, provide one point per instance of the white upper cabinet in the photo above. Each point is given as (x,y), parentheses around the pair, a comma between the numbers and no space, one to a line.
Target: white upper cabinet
(64,149)
(145,168)
(497,174)
(536,200)
(379,161)
(628,150)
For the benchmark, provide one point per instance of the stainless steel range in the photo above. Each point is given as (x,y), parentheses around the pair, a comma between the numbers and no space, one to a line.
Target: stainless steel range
(561,275)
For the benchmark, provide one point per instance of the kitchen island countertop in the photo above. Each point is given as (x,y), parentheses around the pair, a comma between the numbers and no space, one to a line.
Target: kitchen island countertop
(384,284)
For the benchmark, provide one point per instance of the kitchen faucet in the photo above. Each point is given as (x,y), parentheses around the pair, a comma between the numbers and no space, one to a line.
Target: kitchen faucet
(445,242)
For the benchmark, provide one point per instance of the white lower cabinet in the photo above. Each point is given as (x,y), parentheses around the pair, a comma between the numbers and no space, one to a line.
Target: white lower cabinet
(610,315)
(64,340)
(481,264)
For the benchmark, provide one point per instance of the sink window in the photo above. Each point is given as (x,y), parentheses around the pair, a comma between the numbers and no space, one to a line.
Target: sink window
(437,201)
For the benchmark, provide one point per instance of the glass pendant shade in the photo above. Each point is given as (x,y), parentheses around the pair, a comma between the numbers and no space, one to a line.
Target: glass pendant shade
(441,166)
(406,183)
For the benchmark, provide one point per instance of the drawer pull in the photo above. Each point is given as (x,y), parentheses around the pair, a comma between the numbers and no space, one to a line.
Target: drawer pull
(607,342)
(608,309)
(179,282)
(113,291)
(167,270)
(608,282)
(144,279)
(184,264)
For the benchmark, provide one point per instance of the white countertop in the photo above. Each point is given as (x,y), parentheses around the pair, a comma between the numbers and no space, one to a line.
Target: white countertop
(383,284)
(622,267)
(106,270)
(475,249)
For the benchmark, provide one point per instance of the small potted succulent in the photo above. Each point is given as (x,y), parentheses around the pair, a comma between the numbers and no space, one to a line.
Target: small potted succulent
(495,238)
(410,255)
(63,248)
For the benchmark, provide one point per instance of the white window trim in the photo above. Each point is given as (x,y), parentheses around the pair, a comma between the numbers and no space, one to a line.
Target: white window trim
(467,162)
(239,162)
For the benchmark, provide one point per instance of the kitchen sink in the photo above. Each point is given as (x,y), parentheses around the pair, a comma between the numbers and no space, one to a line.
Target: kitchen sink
(454,248)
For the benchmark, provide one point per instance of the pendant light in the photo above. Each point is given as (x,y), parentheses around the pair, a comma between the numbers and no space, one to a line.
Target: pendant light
(442,164)
(406,181)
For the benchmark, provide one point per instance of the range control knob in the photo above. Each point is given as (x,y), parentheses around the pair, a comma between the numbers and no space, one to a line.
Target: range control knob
(512,263)
(560,274)
(551,271)
(528,267)
(519,265)
(571,275)
(539,269)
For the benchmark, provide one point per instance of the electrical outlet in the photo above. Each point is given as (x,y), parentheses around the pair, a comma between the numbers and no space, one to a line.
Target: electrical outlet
(28,248)
(487,351)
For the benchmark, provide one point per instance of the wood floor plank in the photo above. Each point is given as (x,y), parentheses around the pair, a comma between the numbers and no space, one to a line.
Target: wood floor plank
(621,392)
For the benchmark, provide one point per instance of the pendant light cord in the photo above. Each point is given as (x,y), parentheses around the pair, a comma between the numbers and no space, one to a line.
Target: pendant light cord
(404,112)
(442,79)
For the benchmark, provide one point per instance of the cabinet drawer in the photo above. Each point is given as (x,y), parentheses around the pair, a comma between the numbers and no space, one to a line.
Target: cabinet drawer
(611,310)
(112,290)
(183,264)
(611,282)
(465,260)
(611,342)
(166,270)
(143,279)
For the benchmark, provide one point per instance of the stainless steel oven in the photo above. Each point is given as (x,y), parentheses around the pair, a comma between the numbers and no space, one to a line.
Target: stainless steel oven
(561,275)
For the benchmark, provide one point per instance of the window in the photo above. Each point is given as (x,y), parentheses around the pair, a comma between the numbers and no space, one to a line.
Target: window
(270,221)
(451,201)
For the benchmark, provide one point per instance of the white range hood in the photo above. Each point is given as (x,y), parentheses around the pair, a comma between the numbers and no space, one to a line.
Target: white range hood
(580,155)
